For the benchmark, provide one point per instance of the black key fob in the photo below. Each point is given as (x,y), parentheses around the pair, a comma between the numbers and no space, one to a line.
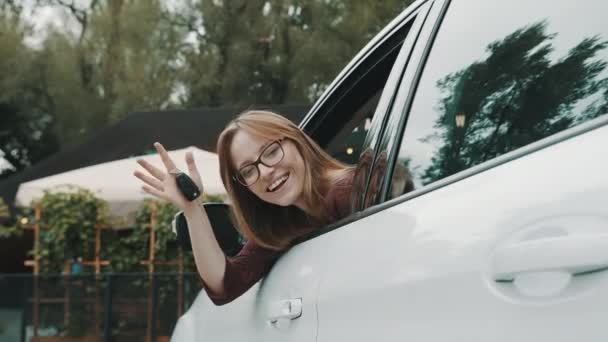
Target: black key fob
(187,186)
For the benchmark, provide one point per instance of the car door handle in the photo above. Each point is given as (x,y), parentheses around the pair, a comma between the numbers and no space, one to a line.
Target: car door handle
(285,310)
(571,253)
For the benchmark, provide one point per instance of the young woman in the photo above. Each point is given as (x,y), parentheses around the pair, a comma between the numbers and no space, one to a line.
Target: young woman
(281,185)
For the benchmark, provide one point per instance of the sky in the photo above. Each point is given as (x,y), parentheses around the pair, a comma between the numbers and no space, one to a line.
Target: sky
(3,163)
(43,17)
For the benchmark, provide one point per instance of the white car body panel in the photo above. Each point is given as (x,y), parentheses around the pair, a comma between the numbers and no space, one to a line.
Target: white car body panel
(422,270)
(296,274)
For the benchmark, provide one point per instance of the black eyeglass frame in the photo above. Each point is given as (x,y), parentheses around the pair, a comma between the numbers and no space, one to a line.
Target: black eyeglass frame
(259,161)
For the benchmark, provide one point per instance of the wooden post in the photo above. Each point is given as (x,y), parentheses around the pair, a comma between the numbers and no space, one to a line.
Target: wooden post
(35,264)
(153,221)
(97,263)
(67,272)
(153,213)
(180,282)
(38,216)
(151,262)
(97,251)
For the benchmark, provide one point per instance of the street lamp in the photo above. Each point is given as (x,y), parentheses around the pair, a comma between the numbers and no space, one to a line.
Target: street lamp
(460,120)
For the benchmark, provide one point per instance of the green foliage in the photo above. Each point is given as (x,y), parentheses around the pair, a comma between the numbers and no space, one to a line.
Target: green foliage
(213,198)
(68,231)
(125,253)
(25,123)
(129,251)
(274,51)
(123,59)
(7,230)
(68,221)
(4,212)
(10,231)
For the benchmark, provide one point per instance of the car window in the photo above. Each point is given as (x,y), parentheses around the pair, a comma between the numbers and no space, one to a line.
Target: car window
(501,75)
(350,109)
(347,143)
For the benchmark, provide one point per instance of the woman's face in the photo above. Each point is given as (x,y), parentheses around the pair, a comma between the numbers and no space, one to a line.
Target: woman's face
(281,184)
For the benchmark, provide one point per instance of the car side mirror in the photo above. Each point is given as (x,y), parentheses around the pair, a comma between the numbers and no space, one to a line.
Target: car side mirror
(228,237)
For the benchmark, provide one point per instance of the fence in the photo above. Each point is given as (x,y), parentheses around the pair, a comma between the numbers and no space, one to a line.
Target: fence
(109,307)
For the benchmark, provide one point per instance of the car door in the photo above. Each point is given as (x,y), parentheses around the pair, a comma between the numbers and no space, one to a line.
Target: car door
(501,234)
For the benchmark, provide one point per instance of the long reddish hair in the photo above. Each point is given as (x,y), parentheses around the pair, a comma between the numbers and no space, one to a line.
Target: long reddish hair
(266,224)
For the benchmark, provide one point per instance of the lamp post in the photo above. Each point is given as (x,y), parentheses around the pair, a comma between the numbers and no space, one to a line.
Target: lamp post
(460,120)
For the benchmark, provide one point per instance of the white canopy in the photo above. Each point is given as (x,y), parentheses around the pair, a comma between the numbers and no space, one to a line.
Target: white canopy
(114,182)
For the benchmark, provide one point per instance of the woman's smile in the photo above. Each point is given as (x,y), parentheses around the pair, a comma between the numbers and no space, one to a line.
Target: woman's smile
(278,184)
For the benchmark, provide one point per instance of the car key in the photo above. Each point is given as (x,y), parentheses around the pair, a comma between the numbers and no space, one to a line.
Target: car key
(187,186)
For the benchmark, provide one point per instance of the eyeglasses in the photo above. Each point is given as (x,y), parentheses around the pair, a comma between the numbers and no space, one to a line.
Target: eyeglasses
(270,156)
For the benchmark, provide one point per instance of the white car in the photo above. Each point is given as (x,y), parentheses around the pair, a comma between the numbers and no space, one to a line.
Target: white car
(482,190)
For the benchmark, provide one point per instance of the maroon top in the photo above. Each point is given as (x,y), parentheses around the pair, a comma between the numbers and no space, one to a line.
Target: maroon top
(253,261)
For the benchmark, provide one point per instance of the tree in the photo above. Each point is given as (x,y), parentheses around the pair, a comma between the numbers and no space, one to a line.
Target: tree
(273,52)
(123,59)
(14,7)
(25,123)
(514,97)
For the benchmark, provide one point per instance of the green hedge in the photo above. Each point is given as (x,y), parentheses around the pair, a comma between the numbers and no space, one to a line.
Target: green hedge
(70,219)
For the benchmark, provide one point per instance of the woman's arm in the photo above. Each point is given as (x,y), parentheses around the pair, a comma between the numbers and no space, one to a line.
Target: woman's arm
(208,256)
(241,272)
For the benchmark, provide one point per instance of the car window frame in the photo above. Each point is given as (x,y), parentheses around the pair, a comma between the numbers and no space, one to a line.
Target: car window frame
(398,117)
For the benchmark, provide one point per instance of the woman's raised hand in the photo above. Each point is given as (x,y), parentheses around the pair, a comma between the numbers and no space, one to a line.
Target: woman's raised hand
(161,183)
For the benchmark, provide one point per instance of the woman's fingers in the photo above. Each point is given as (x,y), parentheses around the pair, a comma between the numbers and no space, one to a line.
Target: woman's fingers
(164,156)
(193,170)
(151,181)
(154,171)
(154,192)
